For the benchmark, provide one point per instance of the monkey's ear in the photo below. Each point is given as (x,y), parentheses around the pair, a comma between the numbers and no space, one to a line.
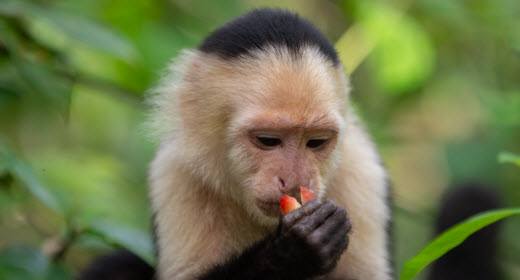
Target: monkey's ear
(195,68)
(196,64)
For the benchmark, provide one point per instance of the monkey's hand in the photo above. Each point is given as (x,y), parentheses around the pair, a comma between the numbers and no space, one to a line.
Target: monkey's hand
(308,242)
(312,238)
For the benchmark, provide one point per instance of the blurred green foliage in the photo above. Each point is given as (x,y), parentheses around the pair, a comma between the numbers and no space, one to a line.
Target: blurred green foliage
(506,157)
(435,80)
(451,238)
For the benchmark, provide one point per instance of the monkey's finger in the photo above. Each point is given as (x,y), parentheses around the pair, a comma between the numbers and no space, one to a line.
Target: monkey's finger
(336,226)
(337,245)
(309,223)
(294,216)
(338,241)
(334,250)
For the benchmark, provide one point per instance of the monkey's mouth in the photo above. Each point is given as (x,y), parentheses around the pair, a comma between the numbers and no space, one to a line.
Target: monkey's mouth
(269,208)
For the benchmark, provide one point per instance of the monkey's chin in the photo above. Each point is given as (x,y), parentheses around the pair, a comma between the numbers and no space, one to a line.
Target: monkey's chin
(269,208)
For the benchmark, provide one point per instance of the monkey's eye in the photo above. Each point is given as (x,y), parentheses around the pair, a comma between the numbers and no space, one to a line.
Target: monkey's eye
(269,141)
(315,143)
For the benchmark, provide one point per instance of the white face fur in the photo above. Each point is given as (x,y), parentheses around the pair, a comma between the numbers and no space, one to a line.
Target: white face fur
(271,124)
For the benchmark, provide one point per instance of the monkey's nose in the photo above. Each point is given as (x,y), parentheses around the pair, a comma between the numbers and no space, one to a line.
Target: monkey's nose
(288,187)
(281,183)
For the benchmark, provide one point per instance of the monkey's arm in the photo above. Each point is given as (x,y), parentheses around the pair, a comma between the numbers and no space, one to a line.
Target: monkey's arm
(307,243)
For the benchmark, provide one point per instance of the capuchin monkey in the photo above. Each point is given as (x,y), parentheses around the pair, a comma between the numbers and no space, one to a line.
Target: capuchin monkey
(258,110)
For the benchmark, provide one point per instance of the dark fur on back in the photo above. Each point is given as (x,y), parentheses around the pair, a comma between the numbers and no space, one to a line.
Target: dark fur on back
(259,28)
(121,265)
(475,258)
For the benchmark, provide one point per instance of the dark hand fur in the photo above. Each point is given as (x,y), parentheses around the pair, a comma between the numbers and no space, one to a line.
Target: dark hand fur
(308,243)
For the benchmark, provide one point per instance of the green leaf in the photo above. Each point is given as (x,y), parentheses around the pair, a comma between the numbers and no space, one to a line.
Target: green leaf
(26,74)
(451,238)
(506,157)
(87,31)
(133,239)
(516,37)
(502,106)
(8,37)
(42,81)
(25,262)
(10,8)
(3,168)
(353,47)
(22,262)
(58,271)
(95,185)
(403,55)
(24,172)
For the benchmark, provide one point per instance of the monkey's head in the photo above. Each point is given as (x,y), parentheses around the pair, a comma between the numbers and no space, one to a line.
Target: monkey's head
(258,118)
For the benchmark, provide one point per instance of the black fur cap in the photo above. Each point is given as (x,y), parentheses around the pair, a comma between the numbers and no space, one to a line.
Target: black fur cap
(262,27)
